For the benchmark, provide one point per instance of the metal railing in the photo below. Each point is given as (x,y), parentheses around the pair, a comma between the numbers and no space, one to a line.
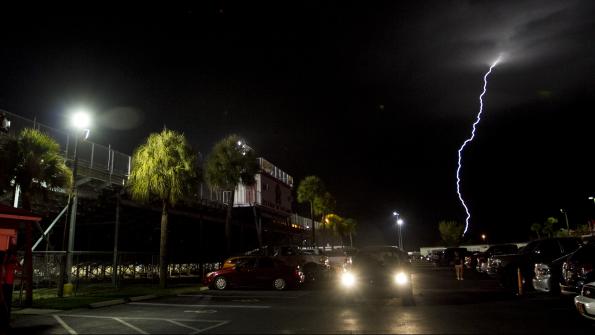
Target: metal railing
(97,267)
(92,156)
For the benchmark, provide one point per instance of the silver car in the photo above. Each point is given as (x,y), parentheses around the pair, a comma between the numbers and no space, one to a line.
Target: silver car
(585,303)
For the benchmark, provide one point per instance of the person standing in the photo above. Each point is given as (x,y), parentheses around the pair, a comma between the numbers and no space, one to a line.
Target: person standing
(459,261)
(9,265)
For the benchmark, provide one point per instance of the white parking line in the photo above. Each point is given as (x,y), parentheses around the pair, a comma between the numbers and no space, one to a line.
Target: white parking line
(63,324)
(178,322)
(213,326)
(239,296)
(183,325)
(140,331)
(199,306)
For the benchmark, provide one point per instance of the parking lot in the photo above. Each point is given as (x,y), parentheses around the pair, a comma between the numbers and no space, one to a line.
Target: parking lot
(442,305)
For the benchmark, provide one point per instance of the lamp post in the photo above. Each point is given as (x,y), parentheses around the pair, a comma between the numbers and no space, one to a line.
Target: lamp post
(566,218)
(484,238)
(80,122)
(591,227)
(399,222)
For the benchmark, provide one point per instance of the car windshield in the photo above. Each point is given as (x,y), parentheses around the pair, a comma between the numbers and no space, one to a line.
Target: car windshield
(379,256)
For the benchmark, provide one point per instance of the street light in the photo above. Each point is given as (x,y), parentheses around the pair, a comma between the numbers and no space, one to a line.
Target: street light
(400,222)
(483,237)
(80,120)
(566,218)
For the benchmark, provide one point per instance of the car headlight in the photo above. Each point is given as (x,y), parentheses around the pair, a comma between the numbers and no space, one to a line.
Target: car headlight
(401,278)
(542,271)
(347,279)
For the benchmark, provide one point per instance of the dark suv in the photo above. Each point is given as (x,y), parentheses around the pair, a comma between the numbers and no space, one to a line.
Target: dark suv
(504,267)
(479,260)
(578,269)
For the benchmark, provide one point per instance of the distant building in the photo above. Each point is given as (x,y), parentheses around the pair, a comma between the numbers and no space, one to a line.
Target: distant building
(271,191)
(267,205)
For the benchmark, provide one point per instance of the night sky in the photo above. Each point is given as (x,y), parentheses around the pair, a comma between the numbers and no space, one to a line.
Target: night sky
(375,98)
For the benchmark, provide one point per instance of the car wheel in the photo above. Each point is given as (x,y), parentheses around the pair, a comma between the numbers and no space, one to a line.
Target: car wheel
(279,284)
(220,283)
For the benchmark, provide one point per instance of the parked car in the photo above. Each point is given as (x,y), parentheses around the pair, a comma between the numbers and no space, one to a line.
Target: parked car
(231,262)
(434,256)
(578,269)
(381,269)
(546,276)
(585,302)
(313,262)
(448,254)
(471,260)
(504,267)
(337,258)
(481,265)
(256,271)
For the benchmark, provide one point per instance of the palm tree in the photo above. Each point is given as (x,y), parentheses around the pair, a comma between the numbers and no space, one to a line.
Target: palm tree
(308,190)
(348,227)
(231,162)
(8,157)
(164,169)
(549,226)
(32,161)
(333,224)
(323,205)
(536,228)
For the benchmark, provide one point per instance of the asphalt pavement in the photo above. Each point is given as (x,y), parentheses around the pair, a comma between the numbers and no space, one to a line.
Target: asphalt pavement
(442,305)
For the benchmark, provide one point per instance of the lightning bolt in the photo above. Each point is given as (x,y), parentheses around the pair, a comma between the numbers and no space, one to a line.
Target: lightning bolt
(485,86)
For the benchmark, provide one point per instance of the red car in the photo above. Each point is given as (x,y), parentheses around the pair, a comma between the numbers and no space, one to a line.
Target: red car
(256,271)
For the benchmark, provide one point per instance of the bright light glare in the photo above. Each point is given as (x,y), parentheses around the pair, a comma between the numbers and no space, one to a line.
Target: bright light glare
(348,279)
(400,222)
(80,119)
(401,278)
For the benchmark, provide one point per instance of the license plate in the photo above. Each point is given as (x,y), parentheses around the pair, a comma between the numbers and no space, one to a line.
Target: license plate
(581,308)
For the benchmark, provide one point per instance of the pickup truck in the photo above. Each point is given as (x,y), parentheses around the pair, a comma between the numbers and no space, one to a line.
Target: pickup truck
(505,267)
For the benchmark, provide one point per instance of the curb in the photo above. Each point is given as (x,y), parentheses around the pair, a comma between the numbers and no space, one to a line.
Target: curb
(143,297)
(107,303)
(130,299)
(35,311)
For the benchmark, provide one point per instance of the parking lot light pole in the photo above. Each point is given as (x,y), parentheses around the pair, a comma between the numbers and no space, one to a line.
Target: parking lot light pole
(590,224)
(566,218)
(399,223)
(396,215)
(80,121)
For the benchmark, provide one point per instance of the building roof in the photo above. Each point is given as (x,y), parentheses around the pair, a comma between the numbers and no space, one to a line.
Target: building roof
(10,214)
